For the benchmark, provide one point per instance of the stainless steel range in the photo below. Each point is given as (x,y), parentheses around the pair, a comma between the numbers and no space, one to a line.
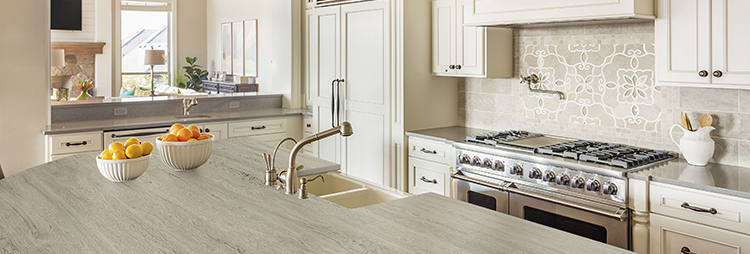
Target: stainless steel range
(573,185)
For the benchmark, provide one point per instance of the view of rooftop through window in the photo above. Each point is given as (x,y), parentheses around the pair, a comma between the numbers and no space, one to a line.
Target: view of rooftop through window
(144,25)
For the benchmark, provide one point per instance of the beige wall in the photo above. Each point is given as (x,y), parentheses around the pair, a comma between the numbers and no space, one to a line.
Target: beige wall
(24,101)
(277,70)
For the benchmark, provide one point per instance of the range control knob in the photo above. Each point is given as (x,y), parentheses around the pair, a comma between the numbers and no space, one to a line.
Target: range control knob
(609,188)
(578,183)
(499,166)
(535,173)
(562,179)
(487,163)
(548,176)
(465,159)
(593,185)
(476,161)
(516,170)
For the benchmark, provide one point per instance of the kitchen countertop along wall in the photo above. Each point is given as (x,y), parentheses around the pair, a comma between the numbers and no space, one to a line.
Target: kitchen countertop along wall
(607,72)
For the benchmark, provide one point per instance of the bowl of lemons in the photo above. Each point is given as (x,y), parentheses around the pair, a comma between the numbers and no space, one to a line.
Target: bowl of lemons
(121,162)
(185,148)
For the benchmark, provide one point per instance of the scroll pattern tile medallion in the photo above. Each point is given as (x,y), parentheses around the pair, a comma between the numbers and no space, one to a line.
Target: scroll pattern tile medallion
(606,84)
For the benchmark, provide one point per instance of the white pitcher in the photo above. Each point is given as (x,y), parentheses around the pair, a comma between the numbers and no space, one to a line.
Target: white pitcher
(696,146)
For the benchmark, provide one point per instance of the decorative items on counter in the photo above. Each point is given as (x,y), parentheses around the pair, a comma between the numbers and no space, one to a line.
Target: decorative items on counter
(696,144)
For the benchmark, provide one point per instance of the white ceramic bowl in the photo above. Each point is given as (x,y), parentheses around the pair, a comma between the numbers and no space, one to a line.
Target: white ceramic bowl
(123,170)
(185,155)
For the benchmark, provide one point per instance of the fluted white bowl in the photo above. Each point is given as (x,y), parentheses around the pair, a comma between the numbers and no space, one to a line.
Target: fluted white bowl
(123,170)
(185,155)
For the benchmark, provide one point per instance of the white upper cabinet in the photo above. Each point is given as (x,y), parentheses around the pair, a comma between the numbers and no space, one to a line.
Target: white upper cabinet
(703,43)
(462,51)
(506,12)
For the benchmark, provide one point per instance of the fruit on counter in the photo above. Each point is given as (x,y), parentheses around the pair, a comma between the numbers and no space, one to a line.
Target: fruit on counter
(180,133)
(191,140)
(119,155)
(134,151)
(194,128)
(106,155)
(204,136)
(169,137)
(130,149)
(147,148)
(131,141)
(117,146)
(175,128)
(184,134)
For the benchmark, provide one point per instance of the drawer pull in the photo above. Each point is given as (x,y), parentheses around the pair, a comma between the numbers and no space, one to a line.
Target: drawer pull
(76,144)
(428,151)
(140,134)
(208,130)
(424,179)
(258,128)
(698,209)
(309,125)
(686,250)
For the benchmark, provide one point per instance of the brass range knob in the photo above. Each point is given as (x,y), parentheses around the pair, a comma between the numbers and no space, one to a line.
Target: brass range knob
(718,73)
(703,73)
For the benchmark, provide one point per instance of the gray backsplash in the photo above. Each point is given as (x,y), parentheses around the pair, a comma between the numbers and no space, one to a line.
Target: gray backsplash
(105,110)
(607,73)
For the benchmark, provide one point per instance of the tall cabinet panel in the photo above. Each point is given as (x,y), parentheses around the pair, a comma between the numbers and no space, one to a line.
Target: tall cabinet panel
(731,41)
(444,32)
(325,65)
(366,71)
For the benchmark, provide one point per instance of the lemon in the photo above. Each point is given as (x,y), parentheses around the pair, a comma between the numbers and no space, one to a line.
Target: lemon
(191,140)
(147,148)
(132,141)
(106,155)
(119,155)
(116,146)
(134,151)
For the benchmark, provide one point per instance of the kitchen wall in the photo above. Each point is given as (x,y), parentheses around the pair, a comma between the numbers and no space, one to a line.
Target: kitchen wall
(607,74)
(24,100)
(279,40)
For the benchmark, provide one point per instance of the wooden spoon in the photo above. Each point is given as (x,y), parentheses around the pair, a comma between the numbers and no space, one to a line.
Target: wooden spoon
(687,119)
(706,120)
(683,121)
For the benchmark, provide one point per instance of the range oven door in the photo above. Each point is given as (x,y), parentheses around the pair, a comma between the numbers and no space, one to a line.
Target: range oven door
(482,194)
(609,225)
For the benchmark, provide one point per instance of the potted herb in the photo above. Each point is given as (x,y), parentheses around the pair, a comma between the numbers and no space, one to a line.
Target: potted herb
(194,74)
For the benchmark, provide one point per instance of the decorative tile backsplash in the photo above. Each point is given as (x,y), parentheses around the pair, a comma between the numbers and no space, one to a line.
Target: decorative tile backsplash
(607,73)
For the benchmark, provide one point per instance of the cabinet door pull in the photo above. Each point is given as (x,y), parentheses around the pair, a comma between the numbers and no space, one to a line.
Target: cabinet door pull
(686,250)
(718,73)
(309,125)
(451,67)
(258,128)
(208,130)
(703,73)
(698,209)
(76,144)
(428,151)
(424,179)
(458,66)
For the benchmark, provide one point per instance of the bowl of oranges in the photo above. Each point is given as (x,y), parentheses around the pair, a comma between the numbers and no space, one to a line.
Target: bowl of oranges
(185,148)
(124,161)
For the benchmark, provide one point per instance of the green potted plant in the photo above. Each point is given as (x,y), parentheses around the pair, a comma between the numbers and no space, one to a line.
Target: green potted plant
(194,74)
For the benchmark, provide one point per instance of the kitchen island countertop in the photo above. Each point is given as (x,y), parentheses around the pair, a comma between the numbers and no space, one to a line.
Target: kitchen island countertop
(66,206)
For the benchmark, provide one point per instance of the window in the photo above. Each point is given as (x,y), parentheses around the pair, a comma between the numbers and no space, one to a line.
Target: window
(144,25)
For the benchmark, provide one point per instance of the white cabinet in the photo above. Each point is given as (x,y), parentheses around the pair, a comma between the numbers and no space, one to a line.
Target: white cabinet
(63,145)
(669,236)
(219,130)
(430,166)
(307,130)
(505,12)
(468,51)
(270,131)
(703,43)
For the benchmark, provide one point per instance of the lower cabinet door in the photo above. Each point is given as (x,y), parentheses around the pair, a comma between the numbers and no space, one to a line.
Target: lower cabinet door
(669,236)
(425,176)
(219,130)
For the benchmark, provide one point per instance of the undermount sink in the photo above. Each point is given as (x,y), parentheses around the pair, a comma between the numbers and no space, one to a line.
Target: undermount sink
(192,116)
(350,193)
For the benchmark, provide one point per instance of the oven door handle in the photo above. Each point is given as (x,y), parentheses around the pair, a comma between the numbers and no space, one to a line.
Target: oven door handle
(598,208)
(485,184)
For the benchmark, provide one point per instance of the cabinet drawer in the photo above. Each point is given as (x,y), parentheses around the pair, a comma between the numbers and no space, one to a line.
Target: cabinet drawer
(259,127)
(731,213)
(75,143)
(670,236)
(432,151)
(425,176)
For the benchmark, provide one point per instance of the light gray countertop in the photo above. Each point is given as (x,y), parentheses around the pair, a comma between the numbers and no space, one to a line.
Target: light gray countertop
(66,206)
(450,134)
(717,178)
(161,121)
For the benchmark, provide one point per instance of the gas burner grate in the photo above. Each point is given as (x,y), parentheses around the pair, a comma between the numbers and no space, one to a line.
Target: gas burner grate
(493,138)
(615,155)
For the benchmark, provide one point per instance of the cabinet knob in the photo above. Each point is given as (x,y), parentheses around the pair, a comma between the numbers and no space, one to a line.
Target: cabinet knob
(686,250)
(718,73)
(703,73)
(458,66)
(309,125)
(208,130)
(451,67)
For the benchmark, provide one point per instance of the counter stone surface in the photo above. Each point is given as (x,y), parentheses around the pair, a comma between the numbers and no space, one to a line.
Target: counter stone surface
(66,206)
(162,121)
(449,135)
(716,178)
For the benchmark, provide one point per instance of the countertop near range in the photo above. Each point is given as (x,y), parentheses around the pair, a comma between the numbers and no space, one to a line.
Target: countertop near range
(160,121)
(450,134)
(717,178)
(223,206)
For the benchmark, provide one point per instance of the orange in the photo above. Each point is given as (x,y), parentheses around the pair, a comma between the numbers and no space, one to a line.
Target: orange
(175,128)
(117,146)
(106,155)
(170,138)
(193,127)
(147,148)
(132,141)
(134,151)
(196,133)
(204,136)
(119,155)
(184,134)
(191,140)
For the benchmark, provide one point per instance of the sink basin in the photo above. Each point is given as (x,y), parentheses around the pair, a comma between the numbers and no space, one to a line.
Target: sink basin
(183,117)
(350,193)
